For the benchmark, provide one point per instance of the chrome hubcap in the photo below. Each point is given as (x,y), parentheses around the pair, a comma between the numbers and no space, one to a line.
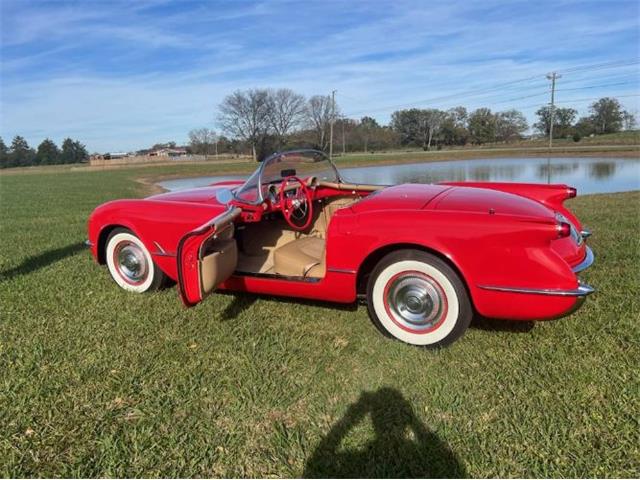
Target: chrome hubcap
(131,262)
(415,300)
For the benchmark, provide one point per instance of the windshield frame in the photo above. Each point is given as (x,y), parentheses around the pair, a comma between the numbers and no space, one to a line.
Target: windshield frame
(260,170)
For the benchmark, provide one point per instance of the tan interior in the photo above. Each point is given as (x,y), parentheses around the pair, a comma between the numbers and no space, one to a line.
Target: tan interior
(271,246)
(217,266)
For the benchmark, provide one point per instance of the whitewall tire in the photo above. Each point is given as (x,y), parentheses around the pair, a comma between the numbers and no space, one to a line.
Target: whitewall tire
(418,298)
(130,263)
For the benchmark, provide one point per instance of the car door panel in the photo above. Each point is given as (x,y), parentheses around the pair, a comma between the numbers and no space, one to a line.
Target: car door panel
(206,257)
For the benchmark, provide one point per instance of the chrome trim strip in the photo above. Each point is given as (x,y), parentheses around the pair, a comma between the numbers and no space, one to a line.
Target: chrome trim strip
(586,262)
(581,291)
(159,247)
(276,276)
(341,270)
(88,243)
(585,233)
(163,254)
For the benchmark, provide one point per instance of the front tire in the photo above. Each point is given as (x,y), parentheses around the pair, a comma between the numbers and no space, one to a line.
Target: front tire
(130,263)
(417,298)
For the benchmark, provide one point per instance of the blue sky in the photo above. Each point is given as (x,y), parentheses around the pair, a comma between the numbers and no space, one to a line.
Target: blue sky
(124,75)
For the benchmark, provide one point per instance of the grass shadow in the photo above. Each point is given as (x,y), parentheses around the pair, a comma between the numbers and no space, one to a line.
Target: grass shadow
(239,303)
(42,260)
(243,301)
(498,325)
(402,447)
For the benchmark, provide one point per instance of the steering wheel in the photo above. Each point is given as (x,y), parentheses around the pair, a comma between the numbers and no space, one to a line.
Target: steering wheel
(298,207)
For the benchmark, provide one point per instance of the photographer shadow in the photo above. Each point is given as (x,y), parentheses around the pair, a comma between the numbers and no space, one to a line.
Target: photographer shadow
(402,446)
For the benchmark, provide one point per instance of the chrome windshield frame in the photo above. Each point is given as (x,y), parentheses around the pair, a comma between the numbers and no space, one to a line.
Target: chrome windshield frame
(259,171)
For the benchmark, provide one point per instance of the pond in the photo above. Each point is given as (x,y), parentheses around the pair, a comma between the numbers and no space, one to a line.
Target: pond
(587,174)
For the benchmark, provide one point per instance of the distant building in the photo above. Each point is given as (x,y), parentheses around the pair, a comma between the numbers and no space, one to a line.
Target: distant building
(114,155)
(168,152)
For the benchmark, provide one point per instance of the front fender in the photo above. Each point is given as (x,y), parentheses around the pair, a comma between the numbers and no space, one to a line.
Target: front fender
(159,225)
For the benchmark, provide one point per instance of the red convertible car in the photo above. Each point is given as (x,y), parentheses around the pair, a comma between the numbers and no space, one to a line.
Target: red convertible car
(425,257)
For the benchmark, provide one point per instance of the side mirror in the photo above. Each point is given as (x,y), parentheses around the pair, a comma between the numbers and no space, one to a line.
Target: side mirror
(224,195)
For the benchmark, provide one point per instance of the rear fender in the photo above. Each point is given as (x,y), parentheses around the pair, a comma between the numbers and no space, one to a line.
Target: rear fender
(486,249)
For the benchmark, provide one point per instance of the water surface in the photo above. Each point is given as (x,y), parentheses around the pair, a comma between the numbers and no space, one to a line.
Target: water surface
(587,174)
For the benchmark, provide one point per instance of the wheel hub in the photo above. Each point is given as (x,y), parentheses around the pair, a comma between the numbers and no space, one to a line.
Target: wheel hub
(131,263)
(415,300)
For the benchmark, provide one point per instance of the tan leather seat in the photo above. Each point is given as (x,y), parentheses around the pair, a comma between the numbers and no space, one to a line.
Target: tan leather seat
(300,258)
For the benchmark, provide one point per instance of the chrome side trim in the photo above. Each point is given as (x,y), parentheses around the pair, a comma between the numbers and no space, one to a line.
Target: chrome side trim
(582,290)
(341,270)
(586,262)
(585,233)
(163,254)
(159,247)
(276,276)
(88,243)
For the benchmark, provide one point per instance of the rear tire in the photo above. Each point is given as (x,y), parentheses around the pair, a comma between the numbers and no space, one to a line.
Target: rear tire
(417,298)
(130,263)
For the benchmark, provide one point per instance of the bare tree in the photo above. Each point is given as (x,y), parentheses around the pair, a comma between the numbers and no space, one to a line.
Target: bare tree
(510,125)
(202,141)
(629,120)
(285,111)
(430,122)
(244,115)
(318,115)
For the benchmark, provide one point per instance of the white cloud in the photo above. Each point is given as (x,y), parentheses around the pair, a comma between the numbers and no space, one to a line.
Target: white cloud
(402,53)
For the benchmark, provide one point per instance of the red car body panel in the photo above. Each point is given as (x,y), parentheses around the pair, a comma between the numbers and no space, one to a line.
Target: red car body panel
(494,234)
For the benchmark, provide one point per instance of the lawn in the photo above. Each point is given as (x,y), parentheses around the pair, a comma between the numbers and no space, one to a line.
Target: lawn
(99,382)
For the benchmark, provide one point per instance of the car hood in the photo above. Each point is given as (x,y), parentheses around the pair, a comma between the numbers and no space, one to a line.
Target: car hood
(195,195)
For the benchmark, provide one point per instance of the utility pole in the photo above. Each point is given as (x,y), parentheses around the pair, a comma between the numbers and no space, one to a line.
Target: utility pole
(343,141)
(553,76)
(333,114)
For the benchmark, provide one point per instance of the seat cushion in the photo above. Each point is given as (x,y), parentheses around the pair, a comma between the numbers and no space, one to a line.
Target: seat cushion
(300,258)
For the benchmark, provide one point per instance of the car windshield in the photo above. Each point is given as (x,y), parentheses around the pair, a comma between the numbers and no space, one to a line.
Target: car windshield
(300,163)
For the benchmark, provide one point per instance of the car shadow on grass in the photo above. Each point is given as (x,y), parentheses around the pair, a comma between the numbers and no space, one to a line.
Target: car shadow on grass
(498,325)
(402,447)
(36,262)
(243,301)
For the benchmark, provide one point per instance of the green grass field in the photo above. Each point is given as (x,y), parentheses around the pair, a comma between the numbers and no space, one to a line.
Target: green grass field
(98,382)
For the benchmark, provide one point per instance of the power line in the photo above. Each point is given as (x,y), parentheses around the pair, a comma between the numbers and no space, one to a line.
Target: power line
(597,86)
(615,77)
(500,87)
(602,66)
(576,100)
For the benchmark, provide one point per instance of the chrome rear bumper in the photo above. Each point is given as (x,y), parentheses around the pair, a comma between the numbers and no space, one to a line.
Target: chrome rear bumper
(586,262)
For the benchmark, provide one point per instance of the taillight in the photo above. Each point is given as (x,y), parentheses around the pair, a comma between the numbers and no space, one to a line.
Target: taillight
(571,192)
(564,229)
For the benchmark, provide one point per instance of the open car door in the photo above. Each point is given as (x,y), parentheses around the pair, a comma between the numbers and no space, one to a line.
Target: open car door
(207,256)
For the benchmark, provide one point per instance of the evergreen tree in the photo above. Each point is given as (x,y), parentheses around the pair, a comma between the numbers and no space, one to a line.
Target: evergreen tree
(73,152)
(48,153)
(4,154)
(21,154)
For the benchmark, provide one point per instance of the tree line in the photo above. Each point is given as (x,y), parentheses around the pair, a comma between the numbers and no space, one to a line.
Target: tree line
(265,120)
(20,154)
